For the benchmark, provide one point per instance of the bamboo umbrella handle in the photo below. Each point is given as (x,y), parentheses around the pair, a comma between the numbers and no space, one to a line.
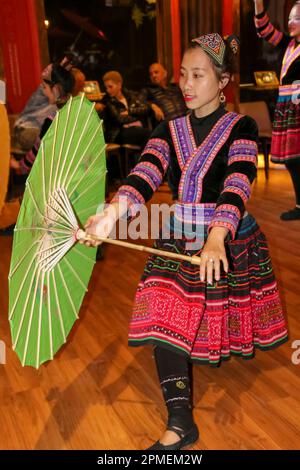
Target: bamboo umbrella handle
(81,235)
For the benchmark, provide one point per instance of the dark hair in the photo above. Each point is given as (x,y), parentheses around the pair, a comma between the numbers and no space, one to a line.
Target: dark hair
(229,62)
(64,78)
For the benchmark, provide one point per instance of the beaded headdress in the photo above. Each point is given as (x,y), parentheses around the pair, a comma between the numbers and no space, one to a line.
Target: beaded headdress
(214,45)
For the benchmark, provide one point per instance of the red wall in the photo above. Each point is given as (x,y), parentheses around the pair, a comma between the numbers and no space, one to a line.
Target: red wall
(227,17)
(19,43)
(176,39)
(227,29)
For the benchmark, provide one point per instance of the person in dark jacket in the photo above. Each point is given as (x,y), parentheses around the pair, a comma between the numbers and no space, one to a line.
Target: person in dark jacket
(165,98)
(125,113)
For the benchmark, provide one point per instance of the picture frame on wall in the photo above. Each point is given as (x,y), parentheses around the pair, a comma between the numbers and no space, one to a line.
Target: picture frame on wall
(267,78)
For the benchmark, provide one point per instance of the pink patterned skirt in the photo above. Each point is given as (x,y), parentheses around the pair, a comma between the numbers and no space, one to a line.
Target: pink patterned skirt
(242,311)
(286,127)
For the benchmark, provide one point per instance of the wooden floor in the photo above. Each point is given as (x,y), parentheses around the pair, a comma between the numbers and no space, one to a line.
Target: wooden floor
(100,394)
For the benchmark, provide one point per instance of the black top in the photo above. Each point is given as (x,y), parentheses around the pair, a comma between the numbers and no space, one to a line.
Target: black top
(213,183)
(138,109)
(224,177)
(169,99)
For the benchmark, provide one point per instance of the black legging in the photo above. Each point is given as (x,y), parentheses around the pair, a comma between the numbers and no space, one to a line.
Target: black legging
(174,374)
(293,167)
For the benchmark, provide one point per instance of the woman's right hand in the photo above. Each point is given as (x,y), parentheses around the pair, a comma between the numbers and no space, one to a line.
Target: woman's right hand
(99,225)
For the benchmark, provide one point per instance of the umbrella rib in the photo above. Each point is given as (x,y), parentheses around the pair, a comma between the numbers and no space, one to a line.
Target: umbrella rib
(68,208)
(58,255)
(40,322)
(83,255)
(54,256)
(53,150)
(43,172)
(21,287)
(60,215)
(77,146)
(84,174)
(58,306)
(65,237)
(12,271)
(60,202)
(21,242)
(30,319)
(24,309)
(68,293)
(75,274)
(44,229)
(85,191)
(53,246)
(49,315)
(62,143)
(39,212)
(96,181)
(70,140)
(66,184)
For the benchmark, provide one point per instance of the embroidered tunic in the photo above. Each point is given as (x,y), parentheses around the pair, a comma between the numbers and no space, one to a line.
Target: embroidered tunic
(223,178)
(212,161)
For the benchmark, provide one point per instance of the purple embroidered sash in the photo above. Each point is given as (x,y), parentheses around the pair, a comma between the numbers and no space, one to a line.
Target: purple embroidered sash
(195,161)
(291,54)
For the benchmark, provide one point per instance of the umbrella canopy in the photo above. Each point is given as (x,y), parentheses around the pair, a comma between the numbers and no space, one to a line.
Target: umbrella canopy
(49,270)
(4,154)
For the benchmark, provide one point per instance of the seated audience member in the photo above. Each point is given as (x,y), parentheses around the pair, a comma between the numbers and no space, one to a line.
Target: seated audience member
(124,113)
(165,98)
(29,123)
(57,89)
(166,101)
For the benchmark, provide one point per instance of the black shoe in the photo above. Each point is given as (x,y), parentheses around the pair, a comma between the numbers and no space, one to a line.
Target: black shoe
(186,439)
(7,231)
(293,214)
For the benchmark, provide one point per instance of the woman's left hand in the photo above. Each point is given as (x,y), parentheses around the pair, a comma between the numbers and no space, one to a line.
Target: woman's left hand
(213,254)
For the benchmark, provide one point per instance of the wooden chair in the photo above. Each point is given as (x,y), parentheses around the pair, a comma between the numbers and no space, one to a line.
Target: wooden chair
(129,149)
(258,110)
(114,150)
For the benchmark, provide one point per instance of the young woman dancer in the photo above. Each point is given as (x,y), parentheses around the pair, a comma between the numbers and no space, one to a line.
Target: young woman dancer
(232,305)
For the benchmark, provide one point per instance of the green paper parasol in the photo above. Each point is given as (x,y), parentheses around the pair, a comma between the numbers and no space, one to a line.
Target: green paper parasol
(49,270)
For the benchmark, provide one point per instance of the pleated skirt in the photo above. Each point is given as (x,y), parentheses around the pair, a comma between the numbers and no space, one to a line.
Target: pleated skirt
(286,126)
(209,323)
